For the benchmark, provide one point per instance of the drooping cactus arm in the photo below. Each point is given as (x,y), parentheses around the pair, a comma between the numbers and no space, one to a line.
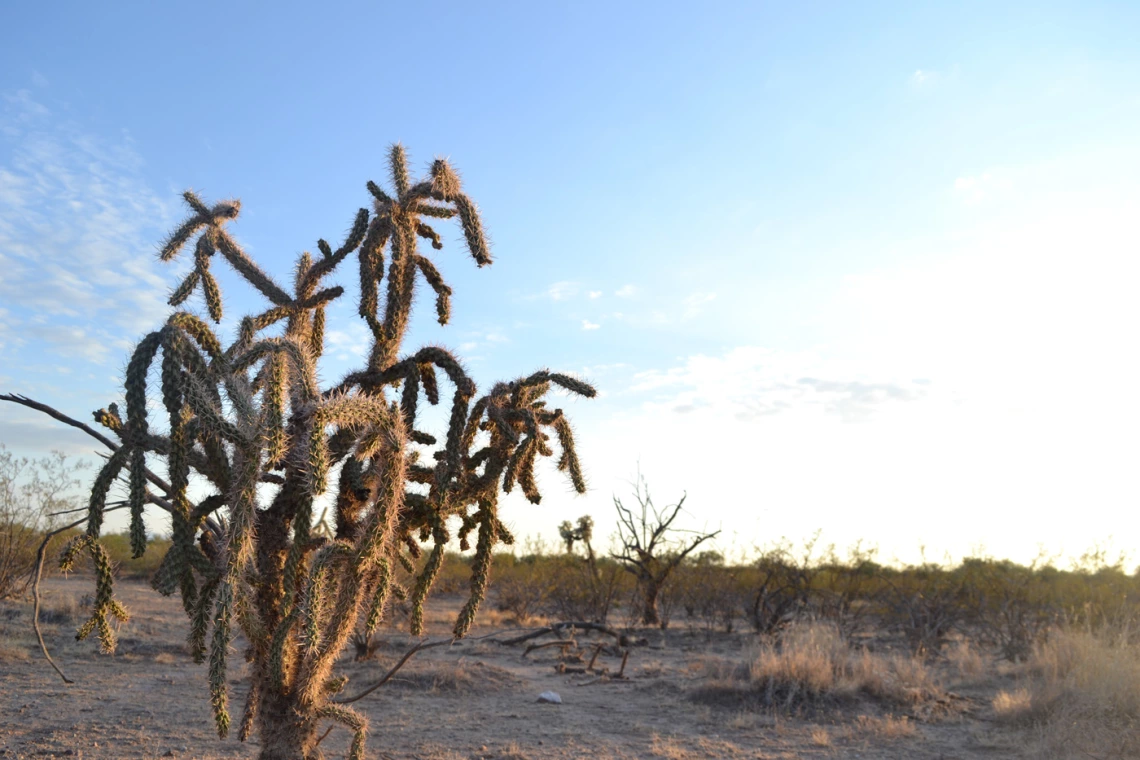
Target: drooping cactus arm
(158,481)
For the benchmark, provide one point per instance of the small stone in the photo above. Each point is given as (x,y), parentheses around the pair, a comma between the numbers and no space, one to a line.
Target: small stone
(550,697)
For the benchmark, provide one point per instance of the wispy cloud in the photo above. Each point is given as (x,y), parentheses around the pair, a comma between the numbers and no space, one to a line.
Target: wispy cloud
(349,343)
(626,291)
(750,382)
(694,304)
(77,236)
(923,78)
(560,291)
(588,325)
(594,294)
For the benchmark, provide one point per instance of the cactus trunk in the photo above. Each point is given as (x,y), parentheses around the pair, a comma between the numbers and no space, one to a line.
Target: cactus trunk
(286,732)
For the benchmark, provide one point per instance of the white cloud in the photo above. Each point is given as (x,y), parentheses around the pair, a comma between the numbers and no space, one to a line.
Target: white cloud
(594,294)
(923,78)
(588,325)
(694,303)
(560,291)
(626,291)
(350,343)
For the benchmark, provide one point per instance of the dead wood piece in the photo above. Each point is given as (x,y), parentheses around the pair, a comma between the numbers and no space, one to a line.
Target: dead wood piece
(564,668)
(594,658)
(557,628)
(558,643)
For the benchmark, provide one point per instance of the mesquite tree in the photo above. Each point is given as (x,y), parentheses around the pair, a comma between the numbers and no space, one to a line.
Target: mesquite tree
(256,436)
(650,547)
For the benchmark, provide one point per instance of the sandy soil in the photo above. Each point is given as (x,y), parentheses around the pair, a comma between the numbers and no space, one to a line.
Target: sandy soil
(473,700)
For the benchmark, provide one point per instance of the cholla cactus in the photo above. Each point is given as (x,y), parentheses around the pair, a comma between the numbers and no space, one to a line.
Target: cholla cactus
(250,421)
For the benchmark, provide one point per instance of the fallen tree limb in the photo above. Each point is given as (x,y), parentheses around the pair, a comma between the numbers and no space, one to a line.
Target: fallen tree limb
(425,644)
(558,628)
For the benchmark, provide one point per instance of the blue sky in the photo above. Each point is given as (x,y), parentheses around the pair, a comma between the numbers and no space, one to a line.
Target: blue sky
(865,269)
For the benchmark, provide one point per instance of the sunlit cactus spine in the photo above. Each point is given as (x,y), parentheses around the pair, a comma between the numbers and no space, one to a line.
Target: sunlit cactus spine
(248,425)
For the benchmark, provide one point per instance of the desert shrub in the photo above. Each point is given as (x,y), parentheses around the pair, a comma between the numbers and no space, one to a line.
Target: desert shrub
(127,565)
(32,494)
(580,586)
(578,591)
(522,586)
(707,590)
(844,589)
(1099,595)
(778,587)
(925,603)
(1012,607)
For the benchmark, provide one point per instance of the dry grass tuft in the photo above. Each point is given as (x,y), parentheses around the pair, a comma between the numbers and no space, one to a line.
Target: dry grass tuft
(1081,698)
(12,653)
(820,737)
(966,660)
(882,728)
(668,748)
(512,752)
(1013,706)
(812,666)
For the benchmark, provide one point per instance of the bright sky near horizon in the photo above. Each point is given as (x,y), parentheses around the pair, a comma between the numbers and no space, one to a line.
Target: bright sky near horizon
(870,270)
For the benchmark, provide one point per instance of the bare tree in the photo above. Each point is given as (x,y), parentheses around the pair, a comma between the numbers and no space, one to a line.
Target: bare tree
(651,548)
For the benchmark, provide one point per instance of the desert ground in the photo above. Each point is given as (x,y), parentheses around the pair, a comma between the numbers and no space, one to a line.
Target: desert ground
(479,698)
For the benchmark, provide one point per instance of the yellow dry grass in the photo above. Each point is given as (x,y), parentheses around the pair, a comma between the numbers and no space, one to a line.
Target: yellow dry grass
(812,665)
(1080,698)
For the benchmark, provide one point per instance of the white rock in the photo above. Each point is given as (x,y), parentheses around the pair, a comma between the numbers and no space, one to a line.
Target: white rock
(550,697)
